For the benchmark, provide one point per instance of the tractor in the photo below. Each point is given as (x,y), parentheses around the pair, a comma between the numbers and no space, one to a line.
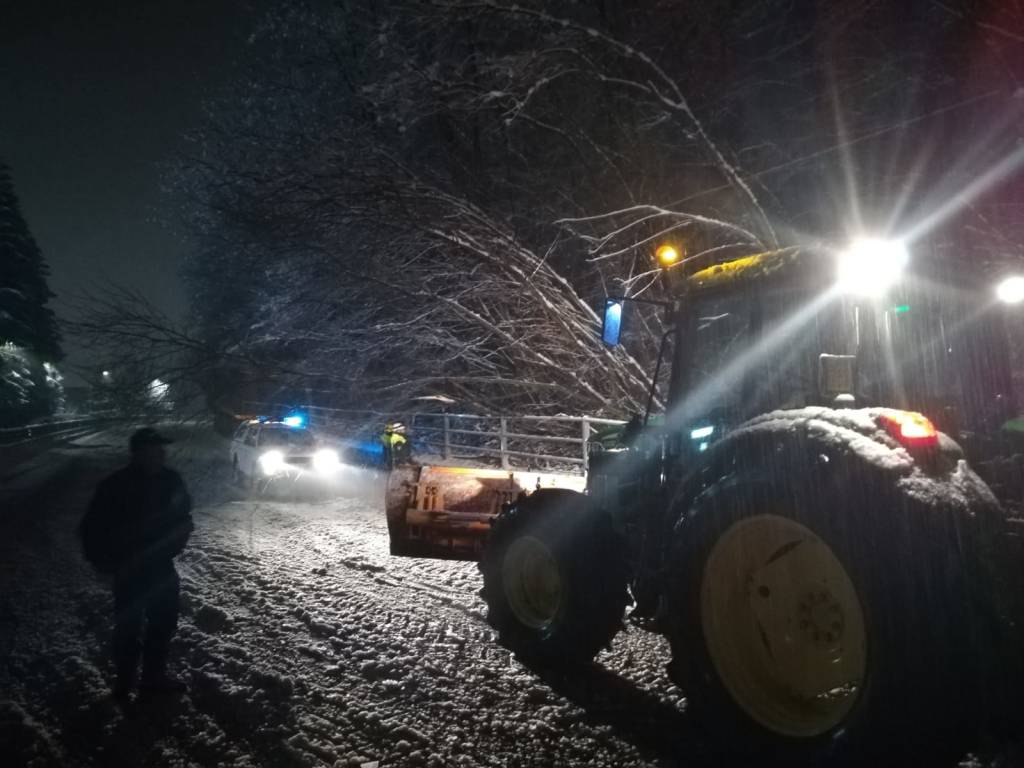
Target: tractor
(824,567)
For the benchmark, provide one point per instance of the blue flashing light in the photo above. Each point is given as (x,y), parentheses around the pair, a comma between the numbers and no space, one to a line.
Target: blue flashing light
(371,447)
(294,420)
(701,432)
(612,322)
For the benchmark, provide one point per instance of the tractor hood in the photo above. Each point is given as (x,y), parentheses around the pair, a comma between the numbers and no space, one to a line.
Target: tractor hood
(796,265)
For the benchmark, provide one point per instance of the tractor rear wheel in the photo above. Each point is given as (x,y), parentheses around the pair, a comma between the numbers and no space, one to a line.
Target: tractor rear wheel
(554,578)
(822,624)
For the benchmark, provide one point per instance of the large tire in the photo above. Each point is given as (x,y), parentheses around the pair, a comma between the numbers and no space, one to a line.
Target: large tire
(555,578)
(772,582)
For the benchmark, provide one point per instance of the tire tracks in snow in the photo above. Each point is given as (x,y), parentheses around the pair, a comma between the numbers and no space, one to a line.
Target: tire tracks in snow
(387,657)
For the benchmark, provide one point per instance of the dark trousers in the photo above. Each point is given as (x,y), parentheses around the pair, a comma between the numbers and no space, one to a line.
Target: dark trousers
(146,606)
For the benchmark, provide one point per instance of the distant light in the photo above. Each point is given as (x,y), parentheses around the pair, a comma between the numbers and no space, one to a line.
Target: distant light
(106,374)
(158,390)
(702,447)
(870,266)
(294,420)
(701,432)
(667,255)
(1011,290)
(901,309)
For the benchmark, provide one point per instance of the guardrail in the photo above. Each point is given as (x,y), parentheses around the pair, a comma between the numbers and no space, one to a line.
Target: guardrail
(509,440)
(14,435)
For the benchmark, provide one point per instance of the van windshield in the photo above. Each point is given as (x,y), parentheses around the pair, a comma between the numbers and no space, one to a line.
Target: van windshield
(286,437)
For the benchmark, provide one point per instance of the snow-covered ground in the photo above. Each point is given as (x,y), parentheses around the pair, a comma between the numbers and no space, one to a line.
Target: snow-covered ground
(304,644)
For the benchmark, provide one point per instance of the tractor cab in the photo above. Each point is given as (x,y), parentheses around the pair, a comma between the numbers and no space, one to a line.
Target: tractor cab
(784,329)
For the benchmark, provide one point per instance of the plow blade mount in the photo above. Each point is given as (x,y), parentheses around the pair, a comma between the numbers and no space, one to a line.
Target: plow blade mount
(446,512)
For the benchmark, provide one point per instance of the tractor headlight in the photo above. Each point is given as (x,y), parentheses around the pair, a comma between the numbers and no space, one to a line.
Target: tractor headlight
(326,461)
(272,462)
(869,267)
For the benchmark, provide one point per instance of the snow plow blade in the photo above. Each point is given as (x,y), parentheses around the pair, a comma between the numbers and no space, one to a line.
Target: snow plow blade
(446,512)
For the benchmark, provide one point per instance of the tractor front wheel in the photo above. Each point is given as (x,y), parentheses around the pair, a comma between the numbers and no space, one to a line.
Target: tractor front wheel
(554,578)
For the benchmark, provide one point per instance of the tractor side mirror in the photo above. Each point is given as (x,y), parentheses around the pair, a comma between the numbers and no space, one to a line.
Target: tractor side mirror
(612,323)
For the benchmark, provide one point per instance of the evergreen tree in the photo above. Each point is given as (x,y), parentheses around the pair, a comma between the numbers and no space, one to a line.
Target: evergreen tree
(25,320)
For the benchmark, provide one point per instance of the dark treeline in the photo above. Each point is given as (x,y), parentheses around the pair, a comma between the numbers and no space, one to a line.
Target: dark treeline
(30,385)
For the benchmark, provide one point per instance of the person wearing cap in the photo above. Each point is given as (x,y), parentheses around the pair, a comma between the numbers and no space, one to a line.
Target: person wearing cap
(138,521)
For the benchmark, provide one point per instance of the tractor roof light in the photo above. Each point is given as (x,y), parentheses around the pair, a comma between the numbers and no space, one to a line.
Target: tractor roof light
(1010,290)
(911,429)
(870,266)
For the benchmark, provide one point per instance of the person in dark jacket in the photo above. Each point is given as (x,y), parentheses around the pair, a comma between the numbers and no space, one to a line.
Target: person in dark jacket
(138,521)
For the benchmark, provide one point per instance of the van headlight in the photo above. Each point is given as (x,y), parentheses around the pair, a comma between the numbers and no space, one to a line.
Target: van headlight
(272,462)
(326,461)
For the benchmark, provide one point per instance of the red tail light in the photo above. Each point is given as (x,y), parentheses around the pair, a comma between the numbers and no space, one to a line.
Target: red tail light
(913,430)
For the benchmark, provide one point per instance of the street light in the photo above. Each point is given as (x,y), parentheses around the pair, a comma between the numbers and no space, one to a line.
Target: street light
(870,266)
(667,255)
(1011,290)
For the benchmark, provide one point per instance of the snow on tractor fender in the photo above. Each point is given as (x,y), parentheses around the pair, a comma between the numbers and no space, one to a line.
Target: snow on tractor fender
(446,512)
(861,433)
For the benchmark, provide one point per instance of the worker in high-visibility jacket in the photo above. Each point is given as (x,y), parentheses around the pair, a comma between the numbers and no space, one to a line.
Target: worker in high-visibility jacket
(396,446)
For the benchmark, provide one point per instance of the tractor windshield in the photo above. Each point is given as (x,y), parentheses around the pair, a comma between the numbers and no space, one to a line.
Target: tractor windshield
(757,354)
(723,336)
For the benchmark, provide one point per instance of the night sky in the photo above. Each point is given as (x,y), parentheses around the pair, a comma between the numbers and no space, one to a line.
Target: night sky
(94,99)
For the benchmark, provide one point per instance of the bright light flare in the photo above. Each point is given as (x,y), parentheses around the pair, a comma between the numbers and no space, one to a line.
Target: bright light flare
(326,461)
(272,462)
(667,255)
(870,266)
(1011,290)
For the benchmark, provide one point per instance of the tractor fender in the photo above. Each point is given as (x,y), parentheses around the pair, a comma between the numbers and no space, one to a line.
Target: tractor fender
(830,443)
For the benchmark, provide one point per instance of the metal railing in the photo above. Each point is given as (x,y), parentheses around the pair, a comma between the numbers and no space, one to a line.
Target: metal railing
(15,435)
(510,441)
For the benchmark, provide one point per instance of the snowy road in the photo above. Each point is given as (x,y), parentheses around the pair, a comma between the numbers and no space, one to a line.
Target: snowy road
(304,644)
